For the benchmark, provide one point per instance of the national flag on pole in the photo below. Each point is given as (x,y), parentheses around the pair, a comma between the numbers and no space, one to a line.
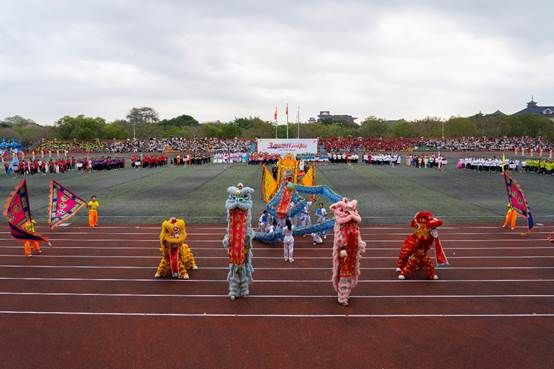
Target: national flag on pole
(275,115)
(17,211)
(517,200)
(63,204)
(287,110)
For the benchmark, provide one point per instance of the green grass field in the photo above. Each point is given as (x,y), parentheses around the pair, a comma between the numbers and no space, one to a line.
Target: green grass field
(385,194)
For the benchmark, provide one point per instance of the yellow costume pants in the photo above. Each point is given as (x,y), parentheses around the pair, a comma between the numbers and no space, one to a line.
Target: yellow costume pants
(186,261)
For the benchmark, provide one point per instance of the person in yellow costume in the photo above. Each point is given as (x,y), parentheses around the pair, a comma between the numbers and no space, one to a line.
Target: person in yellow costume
(177,257)
(30,227)
(93,206)
(511,217)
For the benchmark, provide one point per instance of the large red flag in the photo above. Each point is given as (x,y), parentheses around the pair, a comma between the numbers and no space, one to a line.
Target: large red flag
(63,204)
(18,212)
(517,199)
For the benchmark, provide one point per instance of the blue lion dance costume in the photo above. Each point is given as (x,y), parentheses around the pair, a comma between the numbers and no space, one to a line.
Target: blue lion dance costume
(238,240)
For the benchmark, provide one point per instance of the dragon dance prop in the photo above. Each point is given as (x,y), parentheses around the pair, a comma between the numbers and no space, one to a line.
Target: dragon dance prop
(17,211)
(287,171)
(516,200)
(294,191)
(238,240)
(63,204)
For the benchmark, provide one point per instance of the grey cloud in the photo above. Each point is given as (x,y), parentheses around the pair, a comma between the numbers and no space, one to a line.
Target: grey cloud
(221,59)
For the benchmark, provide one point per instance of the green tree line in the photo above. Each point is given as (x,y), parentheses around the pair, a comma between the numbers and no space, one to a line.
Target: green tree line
(144,123)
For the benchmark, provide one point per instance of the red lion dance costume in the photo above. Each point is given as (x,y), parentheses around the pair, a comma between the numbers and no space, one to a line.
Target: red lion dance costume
(413,255)
(348,248)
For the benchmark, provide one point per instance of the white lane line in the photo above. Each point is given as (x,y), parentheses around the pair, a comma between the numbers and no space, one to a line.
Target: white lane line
(155,295)
(306,241)
(408,231)
(212,315)
(274,280)
(278,249)
(257,268)
(223,227)
(272,257)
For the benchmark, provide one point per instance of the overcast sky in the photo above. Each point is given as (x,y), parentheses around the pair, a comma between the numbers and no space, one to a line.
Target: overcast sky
(225,59)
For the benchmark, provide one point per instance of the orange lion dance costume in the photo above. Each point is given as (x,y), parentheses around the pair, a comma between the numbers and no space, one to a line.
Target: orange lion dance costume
(176,255)
(413,254)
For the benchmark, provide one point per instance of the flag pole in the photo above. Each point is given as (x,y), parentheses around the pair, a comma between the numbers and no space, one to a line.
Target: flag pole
(298,121)
(276,122)
(287,112)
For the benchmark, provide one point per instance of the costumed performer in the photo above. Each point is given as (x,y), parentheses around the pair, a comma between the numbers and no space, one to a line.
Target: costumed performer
(511,217)
(238,240)
(93,206)
(177,257)
(348,248)
(413,254)
(30,226)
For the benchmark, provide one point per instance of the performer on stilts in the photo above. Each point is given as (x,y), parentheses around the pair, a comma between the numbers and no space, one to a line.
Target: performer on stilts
(348,248)
(413,254)
(238,240)
(177,258)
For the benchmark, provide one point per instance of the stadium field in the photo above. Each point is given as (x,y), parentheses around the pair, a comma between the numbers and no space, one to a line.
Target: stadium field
(386,195)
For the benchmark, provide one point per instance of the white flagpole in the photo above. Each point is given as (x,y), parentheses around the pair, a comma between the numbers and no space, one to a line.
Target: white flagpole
(287,111)
(298,121)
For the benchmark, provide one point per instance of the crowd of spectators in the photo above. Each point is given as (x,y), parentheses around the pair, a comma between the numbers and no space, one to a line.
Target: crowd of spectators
(193,146)
(484,144)
(75,146)
(202,146)
(354,144)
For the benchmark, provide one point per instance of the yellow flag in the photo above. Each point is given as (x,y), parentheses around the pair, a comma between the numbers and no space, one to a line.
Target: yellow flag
(269,184)
(309,177)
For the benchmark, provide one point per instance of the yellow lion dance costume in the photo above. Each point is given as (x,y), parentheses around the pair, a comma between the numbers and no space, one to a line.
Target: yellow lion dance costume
(176,255)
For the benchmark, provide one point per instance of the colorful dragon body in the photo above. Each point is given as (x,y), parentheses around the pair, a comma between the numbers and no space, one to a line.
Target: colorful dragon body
(238,240)
(176,255)
(348,248)
(413,254)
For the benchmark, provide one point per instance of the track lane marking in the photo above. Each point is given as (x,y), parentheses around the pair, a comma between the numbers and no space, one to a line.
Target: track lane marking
(258,268)
(216,315)
(85,294)
(547,280)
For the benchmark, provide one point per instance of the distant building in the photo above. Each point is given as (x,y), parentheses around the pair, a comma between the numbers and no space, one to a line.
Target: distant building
(327,117)
(533,108)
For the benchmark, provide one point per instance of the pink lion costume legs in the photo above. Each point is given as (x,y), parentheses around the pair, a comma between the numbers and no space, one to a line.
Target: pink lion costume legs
(348,248)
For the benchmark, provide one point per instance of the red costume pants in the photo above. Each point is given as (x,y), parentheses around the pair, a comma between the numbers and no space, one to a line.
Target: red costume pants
(419,261)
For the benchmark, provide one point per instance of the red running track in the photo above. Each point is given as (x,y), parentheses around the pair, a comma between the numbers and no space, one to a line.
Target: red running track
(91,302)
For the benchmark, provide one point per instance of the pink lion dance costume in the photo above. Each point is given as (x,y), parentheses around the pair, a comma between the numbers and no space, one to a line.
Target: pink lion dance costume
(348,248)
(413,254)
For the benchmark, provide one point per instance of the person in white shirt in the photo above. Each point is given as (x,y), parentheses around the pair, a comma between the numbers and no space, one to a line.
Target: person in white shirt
(288,241)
